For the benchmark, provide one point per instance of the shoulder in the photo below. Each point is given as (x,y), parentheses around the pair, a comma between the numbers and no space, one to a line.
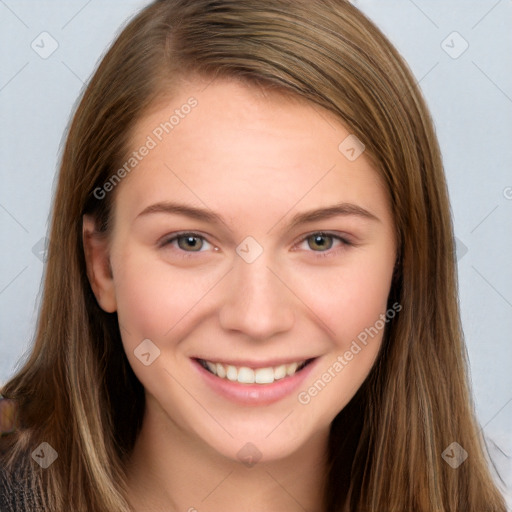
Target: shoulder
(17,492)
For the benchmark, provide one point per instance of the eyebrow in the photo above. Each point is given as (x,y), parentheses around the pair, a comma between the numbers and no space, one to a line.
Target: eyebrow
(207,215)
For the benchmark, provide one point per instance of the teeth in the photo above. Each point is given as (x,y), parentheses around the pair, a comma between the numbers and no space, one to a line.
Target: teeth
(231,373)
(264,376)
(246,375)
(219,370)
(291,369)
(280,372)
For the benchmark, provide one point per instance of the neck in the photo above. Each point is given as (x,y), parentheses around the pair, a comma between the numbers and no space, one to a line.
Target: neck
(172,470)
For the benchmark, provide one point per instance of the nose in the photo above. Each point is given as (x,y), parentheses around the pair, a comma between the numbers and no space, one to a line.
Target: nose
(258,303)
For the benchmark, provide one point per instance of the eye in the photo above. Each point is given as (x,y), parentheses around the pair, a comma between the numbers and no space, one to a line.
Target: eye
(323,243)
(188,242)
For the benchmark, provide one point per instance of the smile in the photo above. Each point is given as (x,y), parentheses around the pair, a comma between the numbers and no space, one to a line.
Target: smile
(247,375)
(255,383)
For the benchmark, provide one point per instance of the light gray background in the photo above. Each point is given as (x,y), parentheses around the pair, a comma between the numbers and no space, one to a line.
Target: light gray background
(470,96)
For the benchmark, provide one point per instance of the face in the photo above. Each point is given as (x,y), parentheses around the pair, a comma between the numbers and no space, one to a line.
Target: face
(246,243)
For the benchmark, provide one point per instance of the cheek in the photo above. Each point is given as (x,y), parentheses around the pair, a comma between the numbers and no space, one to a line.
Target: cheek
(352,304)
(348,299)
(142,304)
(154,300)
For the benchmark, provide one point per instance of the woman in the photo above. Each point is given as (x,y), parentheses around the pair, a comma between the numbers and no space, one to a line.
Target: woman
(197,351)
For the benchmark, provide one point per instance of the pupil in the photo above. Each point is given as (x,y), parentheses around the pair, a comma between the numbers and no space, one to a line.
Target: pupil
(320,241)
(190,242)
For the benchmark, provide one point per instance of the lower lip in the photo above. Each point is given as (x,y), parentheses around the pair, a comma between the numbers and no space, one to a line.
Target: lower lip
(255,394)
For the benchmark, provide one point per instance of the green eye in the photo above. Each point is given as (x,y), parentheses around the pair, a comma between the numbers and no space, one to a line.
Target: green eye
(320,242)
(189,242)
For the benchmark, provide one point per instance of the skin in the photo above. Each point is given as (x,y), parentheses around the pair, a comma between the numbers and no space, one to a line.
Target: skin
(256,159)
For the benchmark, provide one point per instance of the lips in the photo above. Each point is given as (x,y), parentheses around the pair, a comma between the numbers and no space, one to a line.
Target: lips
(245,374)
(254,393)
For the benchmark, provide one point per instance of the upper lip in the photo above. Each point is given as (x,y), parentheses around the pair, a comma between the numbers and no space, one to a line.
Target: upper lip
(256,364)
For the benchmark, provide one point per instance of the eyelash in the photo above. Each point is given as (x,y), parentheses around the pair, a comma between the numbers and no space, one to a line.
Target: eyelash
(318,254)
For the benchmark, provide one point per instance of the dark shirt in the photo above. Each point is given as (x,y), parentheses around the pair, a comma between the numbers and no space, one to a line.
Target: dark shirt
(15,492)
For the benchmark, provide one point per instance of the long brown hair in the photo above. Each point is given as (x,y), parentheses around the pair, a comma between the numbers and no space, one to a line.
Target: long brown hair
(386,444)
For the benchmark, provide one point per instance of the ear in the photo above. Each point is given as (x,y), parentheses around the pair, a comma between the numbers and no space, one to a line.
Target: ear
(97,259)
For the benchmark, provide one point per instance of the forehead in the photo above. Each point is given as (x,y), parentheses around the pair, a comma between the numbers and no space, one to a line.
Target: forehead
(225,143)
